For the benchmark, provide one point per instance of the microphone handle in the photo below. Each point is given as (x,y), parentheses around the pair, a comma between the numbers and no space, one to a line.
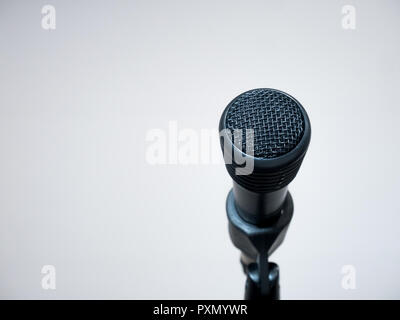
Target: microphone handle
(259,208)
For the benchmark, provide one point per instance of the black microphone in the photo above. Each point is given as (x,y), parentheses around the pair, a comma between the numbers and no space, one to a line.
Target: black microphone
(264,136)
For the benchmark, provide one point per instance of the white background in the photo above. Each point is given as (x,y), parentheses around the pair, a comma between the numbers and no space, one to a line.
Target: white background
(76,103)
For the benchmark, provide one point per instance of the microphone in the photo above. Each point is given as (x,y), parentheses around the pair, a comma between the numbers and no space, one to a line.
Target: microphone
(264,136)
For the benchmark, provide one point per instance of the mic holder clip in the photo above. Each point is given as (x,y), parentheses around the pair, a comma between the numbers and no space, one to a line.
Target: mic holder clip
(257,243)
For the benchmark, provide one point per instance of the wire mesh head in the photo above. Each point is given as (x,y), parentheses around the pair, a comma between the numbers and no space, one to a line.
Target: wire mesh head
(276,119)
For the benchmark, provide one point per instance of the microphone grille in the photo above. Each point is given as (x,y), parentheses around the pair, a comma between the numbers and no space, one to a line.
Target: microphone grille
(275,117)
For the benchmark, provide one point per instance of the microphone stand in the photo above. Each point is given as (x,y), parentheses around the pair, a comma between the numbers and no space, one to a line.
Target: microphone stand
(258,241)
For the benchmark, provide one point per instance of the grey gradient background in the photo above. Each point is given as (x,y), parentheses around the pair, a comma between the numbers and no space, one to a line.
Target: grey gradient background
(76,103)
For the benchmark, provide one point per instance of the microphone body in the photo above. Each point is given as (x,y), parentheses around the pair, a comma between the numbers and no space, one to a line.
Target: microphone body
(258,208)
(264,134)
